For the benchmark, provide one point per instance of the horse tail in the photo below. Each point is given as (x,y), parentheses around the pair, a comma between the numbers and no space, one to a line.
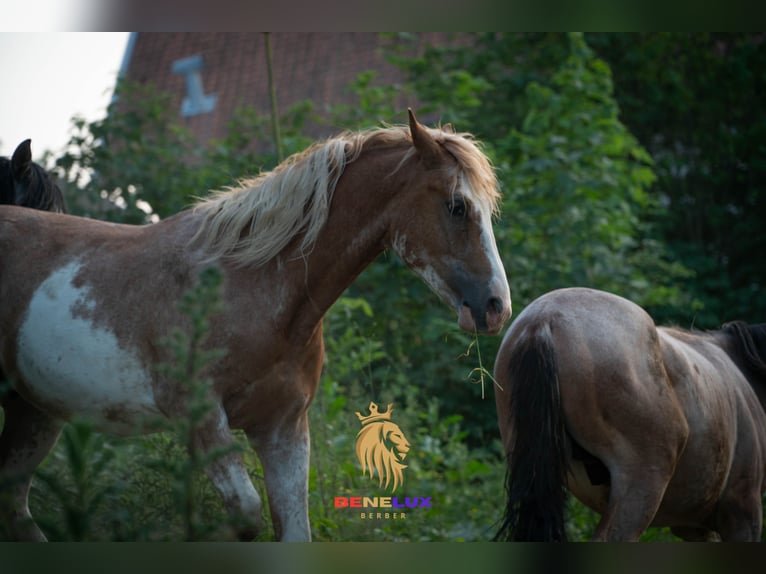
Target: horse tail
(536,471)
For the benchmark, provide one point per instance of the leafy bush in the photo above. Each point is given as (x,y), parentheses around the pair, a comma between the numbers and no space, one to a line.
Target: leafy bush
(581,206)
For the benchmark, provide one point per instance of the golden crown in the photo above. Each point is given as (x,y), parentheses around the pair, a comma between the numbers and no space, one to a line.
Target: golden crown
(375,415)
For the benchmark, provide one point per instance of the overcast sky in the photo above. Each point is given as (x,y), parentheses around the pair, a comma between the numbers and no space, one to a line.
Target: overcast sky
(47,78)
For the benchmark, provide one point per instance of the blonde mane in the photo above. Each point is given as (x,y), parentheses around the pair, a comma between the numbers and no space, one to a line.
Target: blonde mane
(253,223)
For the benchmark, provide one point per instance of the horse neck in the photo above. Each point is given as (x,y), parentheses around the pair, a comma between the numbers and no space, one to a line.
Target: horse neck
(353,236)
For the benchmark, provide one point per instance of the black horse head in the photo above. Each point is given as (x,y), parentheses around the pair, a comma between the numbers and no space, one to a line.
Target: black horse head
(25,183)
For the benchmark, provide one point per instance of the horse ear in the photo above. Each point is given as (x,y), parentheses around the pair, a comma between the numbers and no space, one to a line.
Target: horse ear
(426,146)
(22,159)
(448,128)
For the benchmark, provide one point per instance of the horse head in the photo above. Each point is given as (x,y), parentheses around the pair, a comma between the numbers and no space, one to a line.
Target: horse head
(28,184)
(443,227)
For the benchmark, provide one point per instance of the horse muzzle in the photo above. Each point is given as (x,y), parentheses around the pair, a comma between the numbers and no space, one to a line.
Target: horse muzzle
(486,319)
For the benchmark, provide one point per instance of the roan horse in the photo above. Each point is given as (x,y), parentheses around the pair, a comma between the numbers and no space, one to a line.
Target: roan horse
(86,303)
(647,426)
(25,183)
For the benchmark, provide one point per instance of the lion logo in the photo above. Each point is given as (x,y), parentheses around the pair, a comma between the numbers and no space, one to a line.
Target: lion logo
(382,446)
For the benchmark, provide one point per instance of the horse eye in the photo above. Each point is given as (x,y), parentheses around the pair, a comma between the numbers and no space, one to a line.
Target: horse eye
(456,208)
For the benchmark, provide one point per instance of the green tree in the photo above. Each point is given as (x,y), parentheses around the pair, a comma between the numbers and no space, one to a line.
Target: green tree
(585,203)
(578,200)
(478,81)
(695,102)
(139,163)
(135,157)
(578,187)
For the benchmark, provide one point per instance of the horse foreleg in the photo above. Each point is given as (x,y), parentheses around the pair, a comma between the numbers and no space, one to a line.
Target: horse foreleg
(27,438)
(285,458)
(229,475)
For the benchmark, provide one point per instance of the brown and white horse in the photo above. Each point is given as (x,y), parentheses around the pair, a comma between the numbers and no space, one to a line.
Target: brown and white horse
(85,303)
(647,426)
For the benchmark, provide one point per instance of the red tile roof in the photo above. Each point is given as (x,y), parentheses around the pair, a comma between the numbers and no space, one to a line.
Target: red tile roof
(307,66)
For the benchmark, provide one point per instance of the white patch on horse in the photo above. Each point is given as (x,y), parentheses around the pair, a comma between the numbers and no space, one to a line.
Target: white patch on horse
(399,245)
(438,285)
(75,367)
(289,467)
(484,215)
(234,484)
(424,271)
(499,281)
(490,248)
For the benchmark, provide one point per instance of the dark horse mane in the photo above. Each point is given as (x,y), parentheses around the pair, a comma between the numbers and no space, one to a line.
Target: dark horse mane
(747,348)
(26,183)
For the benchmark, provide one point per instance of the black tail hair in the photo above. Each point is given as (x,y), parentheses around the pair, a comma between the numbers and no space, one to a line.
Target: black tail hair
(536,473)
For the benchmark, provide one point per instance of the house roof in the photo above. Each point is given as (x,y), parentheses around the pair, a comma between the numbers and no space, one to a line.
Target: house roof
(231,72)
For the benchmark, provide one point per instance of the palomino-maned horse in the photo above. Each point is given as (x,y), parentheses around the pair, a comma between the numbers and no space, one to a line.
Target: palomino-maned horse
(25,183)
(647,426)
(86,303)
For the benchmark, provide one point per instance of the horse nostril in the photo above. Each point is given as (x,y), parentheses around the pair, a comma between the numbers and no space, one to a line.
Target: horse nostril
(495,305)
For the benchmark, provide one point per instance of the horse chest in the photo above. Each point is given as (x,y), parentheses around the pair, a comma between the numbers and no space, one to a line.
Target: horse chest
(69,365)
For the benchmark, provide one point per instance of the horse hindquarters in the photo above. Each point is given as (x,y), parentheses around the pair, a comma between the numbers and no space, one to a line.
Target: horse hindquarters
(624,411)
(536,473)
(616,407)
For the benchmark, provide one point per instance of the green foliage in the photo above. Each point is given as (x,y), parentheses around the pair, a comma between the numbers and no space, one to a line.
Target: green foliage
(135,154)
(373,105)
(462,481)
(189,361)
(139,164)
(694,101)
(477,82)
(78,490)
(577,191)
(245,149)
(189,356)
(578,205)
(638,171)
